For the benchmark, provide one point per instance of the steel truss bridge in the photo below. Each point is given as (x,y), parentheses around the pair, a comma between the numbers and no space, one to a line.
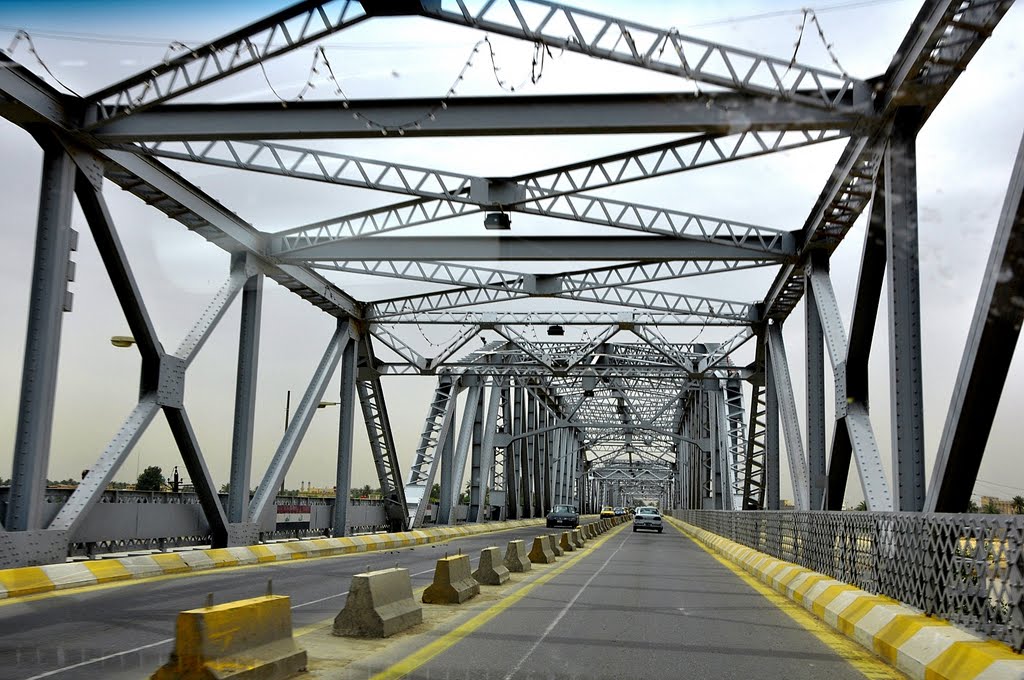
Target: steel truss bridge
(626,413)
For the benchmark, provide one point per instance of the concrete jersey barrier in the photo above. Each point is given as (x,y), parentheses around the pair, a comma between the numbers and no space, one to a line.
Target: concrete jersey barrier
(453,583)
(379,604)
(516,558)
(541,552)
(246,638)
(490,570)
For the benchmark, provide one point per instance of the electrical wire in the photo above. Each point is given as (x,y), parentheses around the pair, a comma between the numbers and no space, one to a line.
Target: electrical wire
(23,35)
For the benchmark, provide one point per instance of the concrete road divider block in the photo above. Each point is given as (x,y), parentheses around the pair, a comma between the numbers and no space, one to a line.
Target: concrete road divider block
(577,538)
(491,571)
(453,582)
(242,639)
(591,531)
(379,604)
(565,543)
(555,548)
(541,552)
(516,558)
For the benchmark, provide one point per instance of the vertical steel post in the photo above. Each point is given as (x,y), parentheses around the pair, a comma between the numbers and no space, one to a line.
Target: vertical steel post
(446,456)
(815,340)
(49,299)
(906,392)
(346,428)
(245,399)
(771,436)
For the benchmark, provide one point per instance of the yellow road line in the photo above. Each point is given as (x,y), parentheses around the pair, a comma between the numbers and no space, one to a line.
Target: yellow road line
(851,652)
(446,641)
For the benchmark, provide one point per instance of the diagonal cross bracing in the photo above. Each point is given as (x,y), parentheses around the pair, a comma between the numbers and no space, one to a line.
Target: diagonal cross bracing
(667,51)
(298,25)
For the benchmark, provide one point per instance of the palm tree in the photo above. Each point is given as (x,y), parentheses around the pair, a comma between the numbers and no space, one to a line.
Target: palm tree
(990,508)
(1018,505)
(862,506)
(972,507)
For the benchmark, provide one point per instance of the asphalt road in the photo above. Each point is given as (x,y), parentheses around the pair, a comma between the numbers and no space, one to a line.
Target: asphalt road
(643,605)
(125,631)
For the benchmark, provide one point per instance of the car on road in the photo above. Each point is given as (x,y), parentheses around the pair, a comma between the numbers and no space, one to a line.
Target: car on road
(563,516)
(647,518)
(607,511)
(620,512)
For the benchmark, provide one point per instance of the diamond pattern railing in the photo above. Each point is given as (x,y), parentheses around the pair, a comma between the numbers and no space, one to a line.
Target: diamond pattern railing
(967,569)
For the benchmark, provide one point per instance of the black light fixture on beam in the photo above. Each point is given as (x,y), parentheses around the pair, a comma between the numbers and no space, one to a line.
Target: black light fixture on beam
(556,330)
(498,221)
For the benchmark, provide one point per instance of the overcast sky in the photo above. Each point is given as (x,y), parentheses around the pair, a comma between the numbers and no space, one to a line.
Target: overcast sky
(965,153)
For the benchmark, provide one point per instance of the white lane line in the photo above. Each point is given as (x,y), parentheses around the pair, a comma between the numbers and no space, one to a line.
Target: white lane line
(561,614)
(100,659)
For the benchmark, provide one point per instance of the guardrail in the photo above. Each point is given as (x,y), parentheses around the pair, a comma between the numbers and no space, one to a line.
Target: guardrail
(124,521)
(967,569)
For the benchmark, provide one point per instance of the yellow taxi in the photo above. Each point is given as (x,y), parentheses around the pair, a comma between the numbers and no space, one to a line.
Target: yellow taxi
(607,511)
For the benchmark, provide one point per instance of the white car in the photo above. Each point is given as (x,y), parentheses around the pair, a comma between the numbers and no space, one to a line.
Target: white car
(647,518)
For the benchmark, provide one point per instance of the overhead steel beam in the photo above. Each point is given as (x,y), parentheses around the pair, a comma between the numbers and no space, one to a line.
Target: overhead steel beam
(661,112)
(533,249)
(301,24)
(624,319)
(519,194)
(994,333)
(665,51)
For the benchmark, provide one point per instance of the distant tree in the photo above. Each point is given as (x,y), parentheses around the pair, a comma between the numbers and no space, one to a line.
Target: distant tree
(435,493)
(150,479)
(225,487)
(862,506)
(990,508)
(972,507)
(1018,505)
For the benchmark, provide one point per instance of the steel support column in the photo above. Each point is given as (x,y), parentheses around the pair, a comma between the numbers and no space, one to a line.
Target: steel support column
(815,360)
(906,391)
(245,399)
(346,428)
(772,489)
(49,299)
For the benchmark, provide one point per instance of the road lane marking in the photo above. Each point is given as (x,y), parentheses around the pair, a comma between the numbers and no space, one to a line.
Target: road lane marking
(852,653)
(82,664)
(449,639)
(114,655)
(561,614)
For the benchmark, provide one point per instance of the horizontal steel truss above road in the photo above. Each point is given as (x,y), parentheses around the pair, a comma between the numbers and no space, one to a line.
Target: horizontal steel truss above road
(668,112)
(527,248)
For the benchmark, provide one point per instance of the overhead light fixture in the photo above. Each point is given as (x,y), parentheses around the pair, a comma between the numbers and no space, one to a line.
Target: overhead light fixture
(556,330)
(498,221)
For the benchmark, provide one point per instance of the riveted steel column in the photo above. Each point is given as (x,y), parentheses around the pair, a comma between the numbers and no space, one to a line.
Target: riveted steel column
(906,392)
(49,299)
(346,428)
(245,399)
(815,340)
(772,491)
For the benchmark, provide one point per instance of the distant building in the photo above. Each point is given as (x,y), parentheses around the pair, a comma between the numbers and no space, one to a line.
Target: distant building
(1004,507)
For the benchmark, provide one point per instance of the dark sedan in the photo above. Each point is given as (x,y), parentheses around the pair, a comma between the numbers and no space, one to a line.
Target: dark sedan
(563,516)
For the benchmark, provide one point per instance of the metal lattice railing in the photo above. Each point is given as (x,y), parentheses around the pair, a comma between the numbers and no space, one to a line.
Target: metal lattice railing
(967,569)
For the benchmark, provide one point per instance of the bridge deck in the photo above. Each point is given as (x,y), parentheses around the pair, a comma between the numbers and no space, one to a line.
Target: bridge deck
(633,605)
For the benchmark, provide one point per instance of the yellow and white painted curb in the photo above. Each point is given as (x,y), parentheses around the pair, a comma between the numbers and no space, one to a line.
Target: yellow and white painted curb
(921,646)
(31,580)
